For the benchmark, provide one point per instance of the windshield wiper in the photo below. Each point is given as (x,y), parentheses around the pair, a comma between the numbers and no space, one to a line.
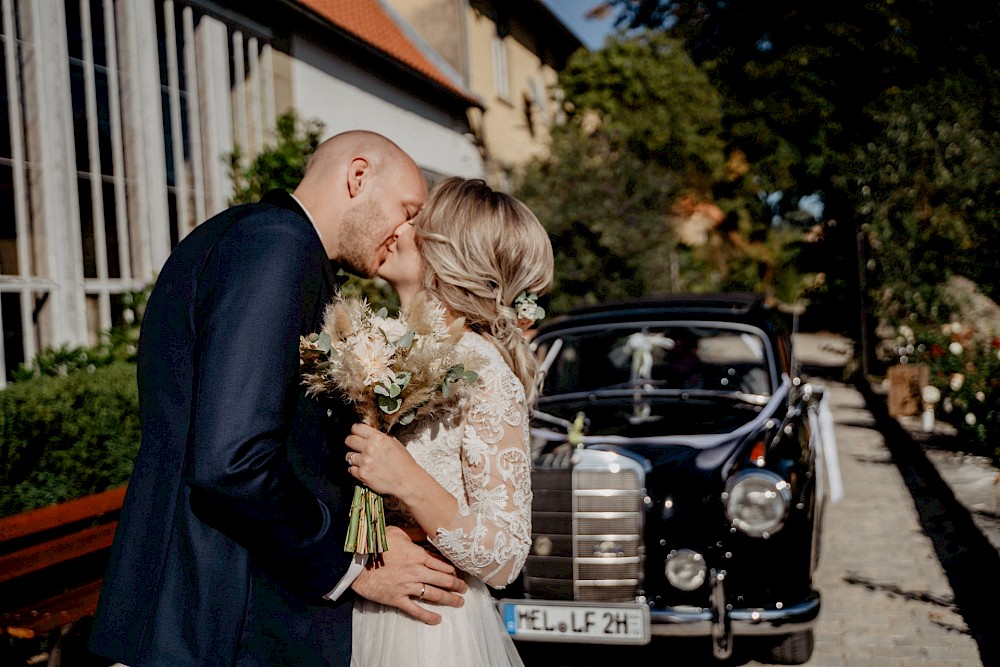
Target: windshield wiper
(634,384)
(626,390)
(551,419)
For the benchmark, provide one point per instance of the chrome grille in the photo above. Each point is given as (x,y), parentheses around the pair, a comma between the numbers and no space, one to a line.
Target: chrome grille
(589,524)
(623,501)
(587,529)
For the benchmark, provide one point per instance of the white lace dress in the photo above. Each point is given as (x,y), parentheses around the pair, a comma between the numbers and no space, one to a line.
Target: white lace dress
(480,455)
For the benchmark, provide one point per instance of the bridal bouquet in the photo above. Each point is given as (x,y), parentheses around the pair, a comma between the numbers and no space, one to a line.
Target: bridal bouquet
(392,370)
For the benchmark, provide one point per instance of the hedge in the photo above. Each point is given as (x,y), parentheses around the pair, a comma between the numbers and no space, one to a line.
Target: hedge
(66,437)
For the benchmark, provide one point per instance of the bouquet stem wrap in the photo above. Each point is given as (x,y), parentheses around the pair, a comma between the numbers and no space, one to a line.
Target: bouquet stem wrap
(366,533)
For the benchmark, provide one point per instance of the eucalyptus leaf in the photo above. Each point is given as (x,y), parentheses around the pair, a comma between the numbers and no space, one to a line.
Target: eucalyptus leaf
(403,378)
(324,342)
(406,341)
(394,390)
(470,376)
(389,405)
(383,312)
(446,389)
(408,417)
(382,390)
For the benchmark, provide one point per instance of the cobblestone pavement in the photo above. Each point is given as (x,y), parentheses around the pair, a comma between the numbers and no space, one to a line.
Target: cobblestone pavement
(886,598)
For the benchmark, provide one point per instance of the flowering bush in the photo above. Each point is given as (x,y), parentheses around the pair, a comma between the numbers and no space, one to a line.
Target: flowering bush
(964,383)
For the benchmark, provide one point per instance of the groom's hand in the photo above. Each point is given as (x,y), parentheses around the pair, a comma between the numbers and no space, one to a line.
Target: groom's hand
(407,573)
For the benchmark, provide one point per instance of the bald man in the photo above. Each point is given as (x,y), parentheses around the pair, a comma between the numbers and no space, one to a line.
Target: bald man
(230,545)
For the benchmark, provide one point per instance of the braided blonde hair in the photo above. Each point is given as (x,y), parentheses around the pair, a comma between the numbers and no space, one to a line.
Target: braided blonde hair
(480,249)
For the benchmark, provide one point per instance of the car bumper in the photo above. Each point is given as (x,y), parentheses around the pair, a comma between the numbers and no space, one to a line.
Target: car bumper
(722,624)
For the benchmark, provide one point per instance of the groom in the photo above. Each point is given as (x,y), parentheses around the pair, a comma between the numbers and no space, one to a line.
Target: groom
(230,546)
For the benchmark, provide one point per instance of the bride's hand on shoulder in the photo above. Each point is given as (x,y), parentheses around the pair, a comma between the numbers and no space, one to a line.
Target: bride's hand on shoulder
(379,461)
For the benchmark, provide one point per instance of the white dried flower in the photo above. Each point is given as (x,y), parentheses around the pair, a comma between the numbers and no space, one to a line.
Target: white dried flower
(956,381)
(946,404)
(981,397)
(375,357)
(956,327)
(906,332)
(527,308)
(930,394)
(970,419)
(955,348)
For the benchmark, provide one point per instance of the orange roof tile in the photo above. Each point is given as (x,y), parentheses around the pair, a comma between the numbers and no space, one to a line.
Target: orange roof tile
(368,21)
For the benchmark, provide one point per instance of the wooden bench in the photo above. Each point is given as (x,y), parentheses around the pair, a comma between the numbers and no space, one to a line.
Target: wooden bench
(52,563)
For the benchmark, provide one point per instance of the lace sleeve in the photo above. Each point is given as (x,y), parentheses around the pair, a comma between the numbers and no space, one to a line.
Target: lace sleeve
(490,534)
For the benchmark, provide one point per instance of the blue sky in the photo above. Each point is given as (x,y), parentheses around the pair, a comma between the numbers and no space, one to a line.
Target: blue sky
(571,12)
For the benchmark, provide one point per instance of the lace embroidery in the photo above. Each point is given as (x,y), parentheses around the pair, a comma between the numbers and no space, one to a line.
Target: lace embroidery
(480,456)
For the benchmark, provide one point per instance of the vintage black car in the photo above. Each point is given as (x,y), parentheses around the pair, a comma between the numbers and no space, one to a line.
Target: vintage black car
(675,479)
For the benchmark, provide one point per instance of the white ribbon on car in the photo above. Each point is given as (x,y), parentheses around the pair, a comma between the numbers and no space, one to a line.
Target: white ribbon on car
(639,346)
(699,441)
(823,442)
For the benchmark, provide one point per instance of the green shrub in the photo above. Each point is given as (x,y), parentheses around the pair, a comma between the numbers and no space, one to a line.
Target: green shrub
(66,437)
(119,343)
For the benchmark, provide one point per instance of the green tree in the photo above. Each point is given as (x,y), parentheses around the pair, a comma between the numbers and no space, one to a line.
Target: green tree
(606,212)
(638,191)
(929,186)
(650,96)
(804,84)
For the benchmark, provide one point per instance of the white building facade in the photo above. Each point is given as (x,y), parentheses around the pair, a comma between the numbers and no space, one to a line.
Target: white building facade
(118,115)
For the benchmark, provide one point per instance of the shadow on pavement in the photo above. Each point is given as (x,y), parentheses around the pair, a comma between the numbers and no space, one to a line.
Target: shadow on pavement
(970,562)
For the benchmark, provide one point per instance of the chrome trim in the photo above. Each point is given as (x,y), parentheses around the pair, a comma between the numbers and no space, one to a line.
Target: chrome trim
(610,560)
(760,622)
(722,627)
(604,493)
(603,582)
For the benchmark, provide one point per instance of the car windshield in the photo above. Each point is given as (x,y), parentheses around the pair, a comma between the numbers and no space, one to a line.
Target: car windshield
(692,357)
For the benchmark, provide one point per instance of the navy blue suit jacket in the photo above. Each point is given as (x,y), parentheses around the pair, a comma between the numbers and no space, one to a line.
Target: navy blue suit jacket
(234,522)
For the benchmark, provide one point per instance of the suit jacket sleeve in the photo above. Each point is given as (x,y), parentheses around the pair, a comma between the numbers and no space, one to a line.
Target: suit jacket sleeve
(258,291)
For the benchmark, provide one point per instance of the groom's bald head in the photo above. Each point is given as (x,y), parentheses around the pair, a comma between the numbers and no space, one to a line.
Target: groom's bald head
(359,186)
(380,150)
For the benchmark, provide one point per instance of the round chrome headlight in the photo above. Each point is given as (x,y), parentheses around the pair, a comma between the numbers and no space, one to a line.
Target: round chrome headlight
(686,569)
(757,502)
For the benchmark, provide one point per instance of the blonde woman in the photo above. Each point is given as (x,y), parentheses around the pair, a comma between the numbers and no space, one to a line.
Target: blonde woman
(461,481)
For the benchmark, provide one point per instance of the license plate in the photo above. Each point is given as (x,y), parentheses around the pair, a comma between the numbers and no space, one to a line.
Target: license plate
(574,622)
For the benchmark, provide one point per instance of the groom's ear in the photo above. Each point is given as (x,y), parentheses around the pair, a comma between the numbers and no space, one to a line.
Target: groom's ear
(357,174)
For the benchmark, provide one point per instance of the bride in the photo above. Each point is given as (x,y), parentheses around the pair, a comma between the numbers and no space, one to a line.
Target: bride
(461,481)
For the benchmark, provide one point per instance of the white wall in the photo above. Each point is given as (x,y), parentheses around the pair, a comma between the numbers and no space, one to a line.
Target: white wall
(347,98)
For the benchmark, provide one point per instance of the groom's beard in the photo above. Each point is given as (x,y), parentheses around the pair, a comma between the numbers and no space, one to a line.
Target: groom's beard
(362,252)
